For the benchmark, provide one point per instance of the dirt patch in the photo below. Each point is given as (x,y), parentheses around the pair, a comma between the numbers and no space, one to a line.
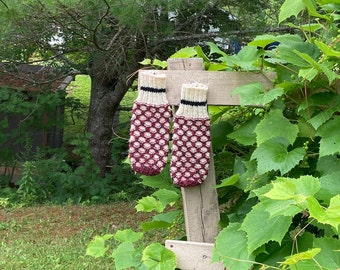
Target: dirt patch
(64,221)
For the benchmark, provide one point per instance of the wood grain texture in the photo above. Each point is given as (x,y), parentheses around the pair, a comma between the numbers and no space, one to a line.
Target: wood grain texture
(200,203)
(193,256)
(220,83)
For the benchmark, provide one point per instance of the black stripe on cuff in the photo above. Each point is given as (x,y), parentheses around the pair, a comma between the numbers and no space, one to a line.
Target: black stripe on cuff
(152,90)
(193,103)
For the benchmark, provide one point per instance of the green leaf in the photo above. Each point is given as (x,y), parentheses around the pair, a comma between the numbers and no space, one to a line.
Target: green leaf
(214,49)
(186,52)
(254,94)
(230,181)
(327,50)
(310,27)
(145,62)
(319,119)
(275,125)
(311,7)
(159,63)
(97,248)
(128,235)
(201,54)
(245,59)
(330,186)
(311,72)
(330,215)
(330,250)
(328,164)
(261,228)
(166,196)
(290,8)
(263,40)
(302,256)
(217,66)
(162,180)
(273,155)
(245,134)
(157,257)
(330,137)
(149,204)
(126,257)
(290,188)
(168,217)
(219,132)
(237,256)
(155,224)
(276,208)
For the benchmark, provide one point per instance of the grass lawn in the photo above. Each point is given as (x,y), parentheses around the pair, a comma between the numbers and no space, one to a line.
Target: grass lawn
(56,237)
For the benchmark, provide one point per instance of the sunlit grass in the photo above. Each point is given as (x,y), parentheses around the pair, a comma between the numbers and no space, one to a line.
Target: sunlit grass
(56,237)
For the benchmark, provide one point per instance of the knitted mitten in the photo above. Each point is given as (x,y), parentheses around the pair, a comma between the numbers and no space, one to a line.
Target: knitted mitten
(191,137)
(150,125)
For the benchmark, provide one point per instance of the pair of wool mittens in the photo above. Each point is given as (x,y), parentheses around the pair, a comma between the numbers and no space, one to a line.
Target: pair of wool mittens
(150,131)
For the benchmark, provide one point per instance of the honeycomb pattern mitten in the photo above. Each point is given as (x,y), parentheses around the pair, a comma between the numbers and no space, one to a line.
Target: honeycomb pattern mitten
(191,142)
(150,125)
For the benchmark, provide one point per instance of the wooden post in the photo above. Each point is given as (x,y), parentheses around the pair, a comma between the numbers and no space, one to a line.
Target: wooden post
(200,204)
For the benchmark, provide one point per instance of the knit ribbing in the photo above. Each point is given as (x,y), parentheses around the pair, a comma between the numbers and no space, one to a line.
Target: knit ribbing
(193,101)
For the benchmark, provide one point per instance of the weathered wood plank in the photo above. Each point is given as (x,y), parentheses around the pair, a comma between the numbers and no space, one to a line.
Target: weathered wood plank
(193,256)
(220,83)
(200,203)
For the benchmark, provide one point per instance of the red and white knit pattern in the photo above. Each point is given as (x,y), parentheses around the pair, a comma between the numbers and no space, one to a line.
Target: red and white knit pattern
(191,138)
(150,126)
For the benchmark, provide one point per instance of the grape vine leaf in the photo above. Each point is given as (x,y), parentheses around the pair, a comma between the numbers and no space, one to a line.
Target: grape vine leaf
(162,180)
(273,155)
(186,52)
(126,256)
(166,196)
(237,256)
(97,247)
(290,8)
(149,204)
(155,224)
(245,134)
(319,119)
(330,186)
(157,257)
(330,215)
(328,164)
(301,256)
(275,207)
(261,228)
(330,249)
(330,137)
(128,235)
(297,189)
(254,94)
(275,125)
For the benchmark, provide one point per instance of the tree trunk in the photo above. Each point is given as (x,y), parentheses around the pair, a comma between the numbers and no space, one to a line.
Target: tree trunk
(104,103)
(106,96)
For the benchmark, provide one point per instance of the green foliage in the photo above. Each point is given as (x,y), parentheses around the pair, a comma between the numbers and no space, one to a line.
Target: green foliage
(22,116)
(133,250)
(282,192)
(292,150)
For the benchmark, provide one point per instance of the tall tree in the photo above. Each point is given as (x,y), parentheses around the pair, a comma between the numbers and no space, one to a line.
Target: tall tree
(106,39)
